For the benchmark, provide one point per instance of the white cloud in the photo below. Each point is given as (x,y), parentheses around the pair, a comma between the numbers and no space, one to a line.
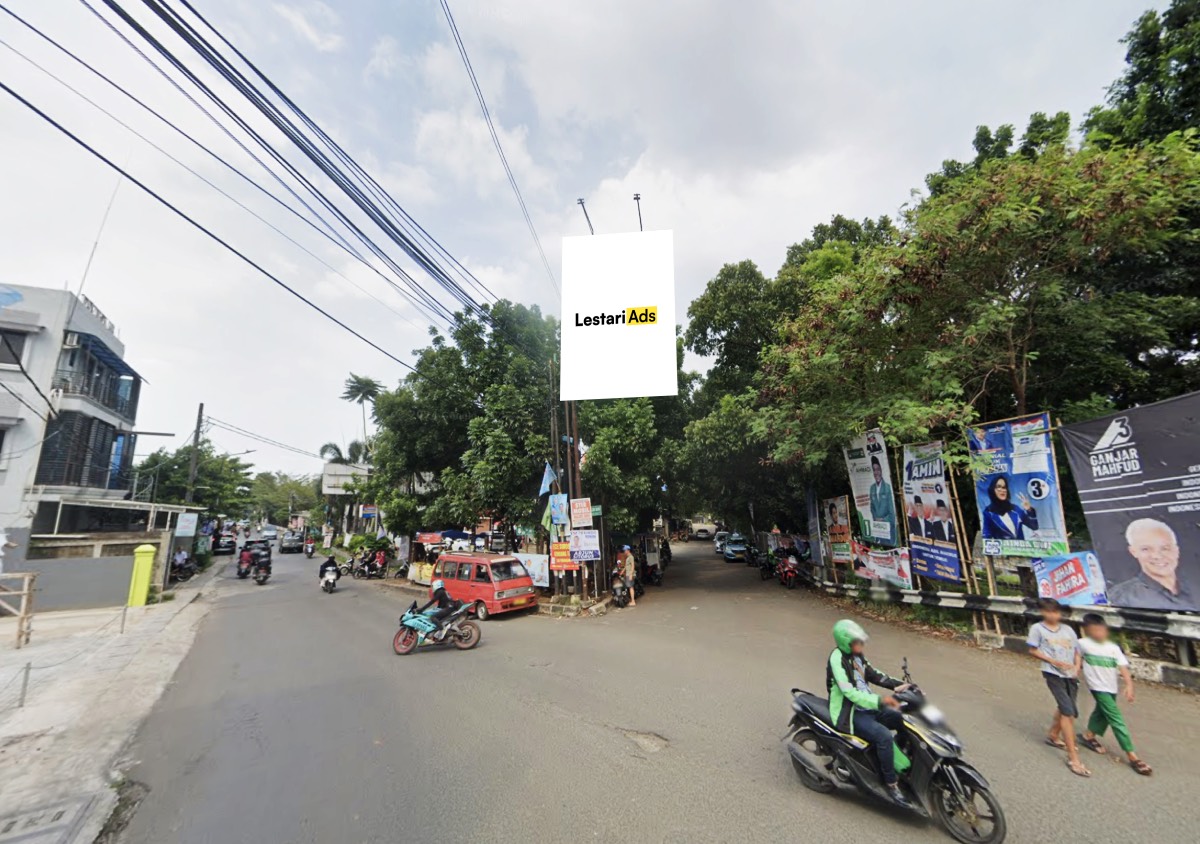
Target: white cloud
(386,58)
(314,22)
(460,145)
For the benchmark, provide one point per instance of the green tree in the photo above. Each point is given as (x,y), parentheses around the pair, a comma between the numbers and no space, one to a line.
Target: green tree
(360,389)
(355,453)
(222,480)
(276,495)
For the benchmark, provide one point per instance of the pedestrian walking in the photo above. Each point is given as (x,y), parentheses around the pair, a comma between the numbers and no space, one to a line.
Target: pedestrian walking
(1104,664)
(1057,646)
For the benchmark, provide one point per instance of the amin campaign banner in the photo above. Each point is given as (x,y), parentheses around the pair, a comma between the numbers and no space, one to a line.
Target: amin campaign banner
(931,531)
(1138,473)
(1073,579)
(890,565)
(1017,489)
(874,500)
(837,528)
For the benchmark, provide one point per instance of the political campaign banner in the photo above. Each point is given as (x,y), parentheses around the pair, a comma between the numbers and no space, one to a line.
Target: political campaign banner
(891,565)
(1017,489)
(932,536)
(581,512)
(585,545)
(836,513)
(560,557)
(870,480)
(814,527)
(538,566)
(1073,579)
(1138,474)
(558,508)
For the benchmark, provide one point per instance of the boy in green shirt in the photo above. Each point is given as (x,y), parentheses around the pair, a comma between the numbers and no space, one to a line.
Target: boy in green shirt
(1103,661)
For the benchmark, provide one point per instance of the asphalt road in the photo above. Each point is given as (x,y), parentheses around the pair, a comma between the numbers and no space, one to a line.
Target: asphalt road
(292,721)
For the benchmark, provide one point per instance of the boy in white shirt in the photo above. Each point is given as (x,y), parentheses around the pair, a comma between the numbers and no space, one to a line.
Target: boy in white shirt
(1103,661)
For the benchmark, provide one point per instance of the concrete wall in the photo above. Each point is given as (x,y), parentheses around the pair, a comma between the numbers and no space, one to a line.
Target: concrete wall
(76,584)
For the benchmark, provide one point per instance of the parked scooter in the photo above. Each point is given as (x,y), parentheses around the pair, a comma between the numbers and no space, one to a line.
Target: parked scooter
(789,572)
(620,591)
(938,783)
(183,572)
(767,568)
(419,629)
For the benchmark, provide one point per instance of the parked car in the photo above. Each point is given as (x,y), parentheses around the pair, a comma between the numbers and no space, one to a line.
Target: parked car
(292,543)
(225,543)
(270,533)
(719,541)
(701,533)
(735,548)
(492,583)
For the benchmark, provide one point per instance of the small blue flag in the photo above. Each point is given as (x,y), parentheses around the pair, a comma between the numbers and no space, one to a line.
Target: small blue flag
(548,477)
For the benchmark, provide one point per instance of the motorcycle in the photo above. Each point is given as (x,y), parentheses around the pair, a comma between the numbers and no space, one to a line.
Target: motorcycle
(654,575)
(789,572)
(401,571)
(183,572)
(417,628)
(939,783)
(261,573)
(329,581)
(368,569)
(664,553)
(309,549)
(243,569)
(620,591)
(767,568)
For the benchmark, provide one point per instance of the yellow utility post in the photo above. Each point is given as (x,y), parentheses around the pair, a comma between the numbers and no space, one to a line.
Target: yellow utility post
(139,582)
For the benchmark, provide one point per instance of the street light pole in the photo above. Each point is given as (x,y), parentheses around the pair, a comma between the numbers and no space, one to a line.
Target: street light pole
(191,484)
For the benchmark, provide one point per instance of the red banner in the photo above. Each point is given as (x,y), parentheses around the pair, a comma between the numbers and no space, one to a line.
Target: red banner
(560,557)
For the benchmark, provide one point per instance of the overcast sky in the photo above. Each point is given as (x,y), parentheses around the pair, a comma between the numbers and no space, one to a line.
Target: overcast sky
(741,124)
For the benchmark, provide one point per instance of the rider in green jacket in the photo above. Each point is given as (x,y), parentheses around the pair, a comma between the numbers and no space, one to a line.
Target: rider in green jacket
(857,710)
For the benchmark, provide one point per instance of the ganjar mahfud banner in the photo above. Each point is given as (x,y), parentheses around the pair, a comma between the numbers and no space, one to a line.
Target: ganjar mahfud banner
(618,316)
(1016,488)
(1138,474)
(870,480)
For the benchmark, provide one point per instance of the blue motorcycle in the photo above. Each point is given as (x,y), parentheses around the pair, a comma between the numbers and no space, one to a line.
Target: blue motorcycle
(417,628)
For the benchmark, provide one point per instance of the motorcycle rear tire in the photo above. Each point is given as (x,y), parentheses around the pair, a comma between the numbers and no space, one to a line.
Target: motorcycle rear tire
(807,740)
(468,636)
(405,641)
(947,818)
(791,583)
(765,573)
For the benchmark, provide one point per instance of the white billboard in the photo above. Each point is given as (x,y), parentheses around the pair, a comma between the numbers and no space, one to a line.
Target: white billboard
(618,316)
(336,475)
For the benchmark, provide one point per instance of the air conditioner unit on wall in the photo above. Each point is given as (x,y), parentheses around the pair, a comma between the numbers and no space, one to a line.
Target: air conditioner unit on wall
(72,341)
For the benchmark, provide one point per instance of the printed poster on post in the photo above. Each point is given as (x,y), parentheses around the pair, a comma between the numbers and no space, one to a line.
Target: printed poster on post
(890,565)
(558,508)
(1138,473)
(932,535)
(814,527)
(870,481)
(560,557)
(538,566)
(1016,488)
(1073,579)
(836,513)
(585,545)
(581,512)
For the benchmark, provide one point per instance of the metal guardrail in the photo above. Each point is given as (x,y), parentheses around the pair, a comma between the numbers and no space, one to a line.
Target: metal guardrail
(1170,624)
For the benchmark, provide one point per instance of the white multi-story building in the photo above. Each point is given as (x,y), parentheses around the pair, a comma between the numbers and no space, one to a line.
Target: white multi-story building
(66,447)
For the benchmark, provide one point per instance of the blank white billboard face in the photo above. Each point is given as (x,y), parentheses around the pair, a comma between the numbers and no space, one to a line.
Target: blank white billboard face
(618,316)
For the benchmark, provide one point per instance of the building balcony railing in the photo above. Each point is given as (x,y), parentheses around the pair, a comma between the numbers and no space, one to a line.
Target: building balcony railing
(101,390)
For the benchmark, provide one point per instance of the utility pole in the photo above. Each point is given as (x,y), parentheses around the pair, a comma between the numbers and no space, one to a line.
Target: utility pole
(191,484)
(637,197)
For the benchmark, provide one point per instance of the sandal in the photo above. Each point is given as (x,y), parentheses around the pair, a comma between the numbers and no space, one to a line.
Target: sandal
(1141,767)
(1093,744)
(1077,769)
(1058,743)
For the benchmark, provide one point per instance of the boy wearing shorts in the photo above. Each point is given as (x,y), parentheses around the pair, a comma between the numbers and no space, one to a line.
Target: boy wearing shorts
(1103,663)
(1057,646)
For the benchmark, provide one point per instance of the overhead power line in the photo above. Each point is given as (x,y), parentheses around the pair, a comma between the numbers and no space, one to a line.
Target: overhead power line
(21,399)
(17,360)
(234,429)
(487,116)
(211,234)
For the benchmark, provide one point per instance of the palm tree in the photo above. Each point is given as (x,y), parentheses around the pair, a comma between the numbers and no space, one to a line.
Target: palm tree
(362,389)
(355,453)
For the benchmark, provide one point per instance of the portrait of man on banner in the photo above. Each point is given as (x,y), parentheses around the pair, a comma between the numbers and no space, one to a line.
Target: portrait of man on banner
(837,527)
(931,532)
(870,481)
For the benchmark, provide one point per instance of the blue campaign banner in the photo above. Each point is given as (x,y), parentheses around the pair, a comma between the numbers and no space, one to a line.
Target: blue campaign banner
(1072,579)
(558,508)
(1017,489)
(932,536)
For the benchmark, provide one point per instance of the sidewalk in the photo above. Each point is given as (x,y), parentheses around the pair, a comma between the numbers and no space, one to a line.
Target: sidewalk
(89,687)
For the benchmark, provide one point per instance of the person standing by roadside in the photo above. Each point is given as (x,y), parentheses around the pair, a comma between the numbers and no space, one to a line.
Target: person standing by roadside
(629,572)
(1057,646)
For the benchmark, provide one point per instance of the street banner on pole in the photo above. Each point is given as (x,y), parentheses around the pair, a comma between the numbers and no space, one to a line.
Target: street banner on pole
(931,531)
(837,527)
(581,512)
(558,508)
(560,557)
(585,545)
(874,500)
(1138,474)
(538,566)
(185,526)
(815,550)
(1017,489)
(890,565)
(1073,579)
